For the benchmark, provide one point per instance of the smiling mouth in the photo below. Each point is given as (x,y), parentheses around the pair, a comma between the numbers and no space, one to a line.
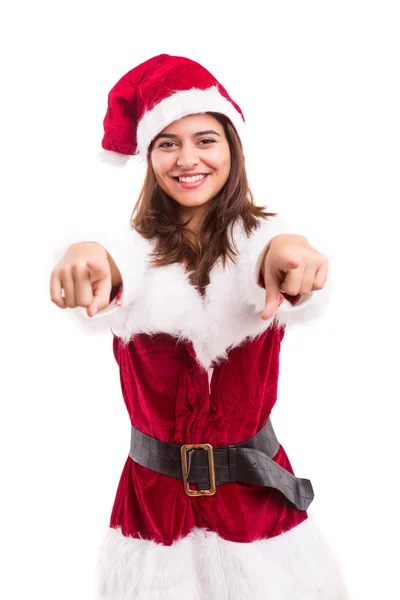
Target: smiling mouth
(191,179)
(193,182)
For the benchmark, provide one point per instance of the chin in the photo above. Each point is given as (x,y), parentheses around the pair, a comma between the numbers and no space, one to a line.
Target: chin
(191,202)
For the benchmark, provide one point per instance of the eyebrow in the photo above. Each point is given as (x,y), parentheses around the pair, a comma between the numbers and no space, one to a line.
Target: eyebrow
(172,136)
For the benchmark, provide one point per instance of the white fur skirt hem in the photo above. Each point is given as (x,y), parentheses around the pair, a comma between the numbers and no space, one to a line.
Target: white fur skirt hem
(296,565)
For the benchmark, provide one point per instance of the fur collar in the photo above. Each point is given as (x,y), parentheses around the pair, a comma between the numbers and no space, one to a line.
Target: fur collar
(163,299)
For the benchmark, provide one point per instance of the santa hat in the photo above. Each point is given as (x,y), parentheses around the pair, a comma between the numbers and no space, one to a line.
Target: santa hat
(155,94)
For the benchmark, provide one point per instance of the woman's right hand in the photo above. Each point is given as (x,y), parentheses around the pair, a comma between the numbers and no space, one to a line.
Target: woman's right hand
(84,273)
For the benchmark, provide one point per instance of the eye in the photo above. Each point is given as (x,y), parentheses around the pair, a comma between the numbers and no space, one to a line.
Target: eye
(166,145)
(207,141)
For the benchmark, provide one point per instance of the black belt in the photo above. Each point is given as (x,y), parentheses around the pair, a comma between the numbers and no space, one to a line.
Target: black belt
(246,462)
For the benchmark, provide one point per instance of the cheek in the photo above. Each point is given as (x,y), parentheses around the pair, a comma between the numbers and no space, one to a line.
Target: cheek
(162,164)
(225,167)
(224,157)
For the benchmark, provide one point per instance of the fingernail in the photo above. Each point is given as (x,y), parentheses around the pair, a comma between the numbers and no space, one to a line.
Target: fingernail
(281,299)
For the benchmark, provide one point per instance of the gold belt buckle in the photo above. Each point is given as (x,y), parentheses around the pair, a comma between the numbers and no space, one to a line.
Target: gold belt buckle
(209,449)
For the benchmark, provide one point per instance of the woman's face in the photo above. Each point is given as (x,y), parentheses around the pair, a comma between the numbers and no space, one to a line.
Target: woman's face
(191,160)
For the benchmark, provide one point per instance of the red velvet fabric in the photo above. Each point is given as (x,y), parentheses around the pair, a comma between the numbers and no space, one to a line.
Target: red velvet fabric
(167,395)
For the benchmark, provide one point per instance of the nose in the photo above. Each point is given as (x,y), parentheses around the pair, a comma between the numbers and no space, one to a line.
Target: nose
(187,156)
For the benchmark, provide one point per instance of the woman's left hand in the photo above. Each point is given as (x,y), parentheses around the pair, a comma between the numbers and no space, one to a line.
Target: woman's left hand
(293,267)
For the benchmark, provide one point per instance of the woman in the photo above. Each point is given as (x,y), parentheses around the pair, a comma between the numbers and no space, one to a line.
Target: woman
(198,291)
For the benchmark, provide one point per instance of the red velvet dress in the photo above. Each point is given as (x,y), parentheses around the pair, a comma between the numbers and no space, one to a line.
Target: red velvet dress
(168,396)
(203,370)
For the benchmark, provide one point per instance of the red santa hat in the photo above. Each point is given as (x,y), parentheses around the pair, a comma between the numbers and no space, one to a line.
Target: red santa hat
(155,94)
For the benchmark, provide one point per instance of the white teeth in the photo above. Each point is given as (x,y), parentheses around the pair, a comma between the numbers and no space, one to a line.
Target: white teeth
(191,179)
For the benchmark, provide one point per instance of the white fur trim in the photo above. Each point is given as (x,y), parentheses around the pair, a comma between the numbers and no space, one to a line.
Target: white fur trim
(163,300)
(223,319)
(181,104)
(297,564)
(115,159)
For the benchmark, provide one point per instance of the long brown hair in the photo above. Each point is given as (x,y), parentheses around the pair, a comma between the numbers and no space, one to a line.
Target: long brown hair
(156,216)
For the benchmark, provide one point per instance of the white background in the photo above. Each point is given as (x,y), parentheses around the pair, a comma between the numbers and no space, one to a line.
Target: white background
(318,83)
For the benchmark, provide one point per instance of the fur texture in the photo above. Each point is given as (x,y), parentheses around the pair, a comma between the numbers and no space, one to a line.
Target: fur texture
(163,300)
(297,564)
(181,104)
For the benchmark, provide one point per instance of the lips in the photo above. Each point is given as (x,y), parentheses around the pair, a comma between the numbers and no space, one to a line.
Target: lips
(190,175)
(188,185)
